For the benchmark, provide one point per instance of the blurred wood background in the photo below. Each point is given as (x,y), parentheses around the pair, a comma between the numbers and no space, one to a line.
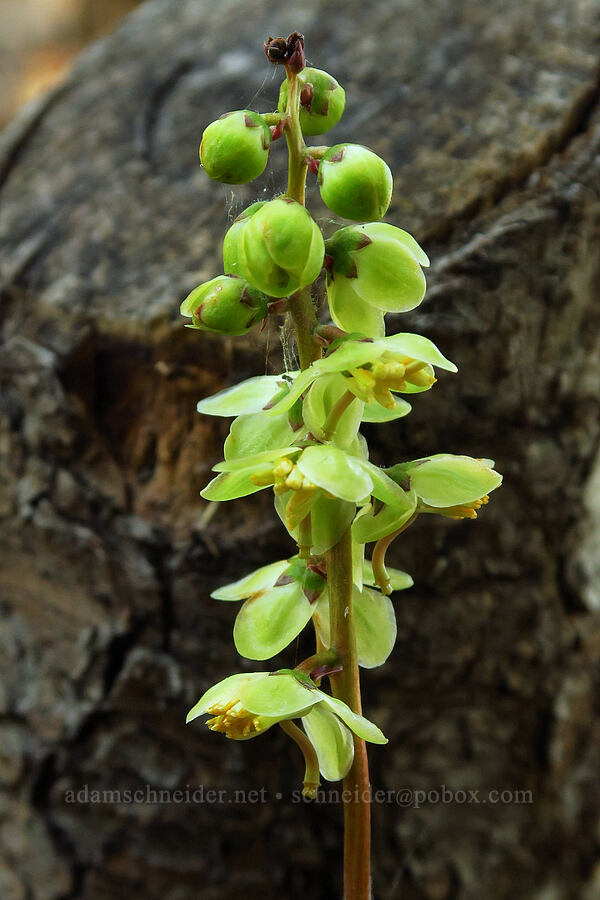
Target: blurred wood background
(39,38)
(489,117)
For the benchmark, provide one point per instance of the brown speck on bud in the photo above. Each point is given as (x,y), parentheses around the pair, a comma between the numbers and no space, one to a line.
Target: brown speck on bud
(306,96)
(277,130)
(313,164)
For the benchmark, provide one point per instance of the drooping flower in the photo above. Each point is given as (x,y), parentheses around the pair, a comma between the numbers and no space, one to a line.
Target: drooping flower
(244,706)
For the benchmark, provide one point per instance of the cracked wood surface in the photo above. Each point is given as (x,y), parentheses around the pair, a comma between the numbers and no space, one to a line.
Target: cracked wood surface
(488,116)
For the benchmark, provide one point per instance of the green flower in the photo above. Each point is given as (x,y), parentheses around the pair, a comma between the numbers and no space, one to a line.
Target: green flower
(322,101)
(225,305)
(246,705)
(355,183)
(374,370)
(276,246)
(449,485)
(372,269)
(235,148)
(281,598)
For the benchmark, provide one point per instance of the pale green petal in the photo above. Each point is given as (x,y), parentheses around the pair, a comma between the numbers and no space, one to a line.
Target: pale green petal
(369,527)
(321,618)
(384,488)
(358,564)
(253,434)
(329,519)
(324,393)
(375,624)
(270,620)
(375,412)
(384,230)
(248,396)
(259,580)
(399,580)
(335,471)
(389,277)
(332,741)
(259,460)
(279,695)
(351,313)
(415,346)
(350,355)
(447,480)
(223,693)
(231,485)
(362,727)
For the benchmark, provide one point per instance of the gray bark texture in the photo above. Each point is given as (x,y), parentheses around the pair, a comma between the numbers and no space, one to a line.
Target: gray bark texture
(488,115)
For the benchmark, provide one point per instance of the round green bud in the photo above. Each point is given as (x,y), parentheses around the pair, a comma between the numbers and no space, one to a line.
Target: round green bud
(322,101)
(225,305)
(377,265)
(355,183)
(231,242)
(235,148)
(278,248)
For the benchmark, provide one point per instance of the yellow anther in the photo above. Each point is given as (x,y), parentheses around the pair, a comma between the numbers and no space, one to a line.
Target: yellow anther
(295,480)
(283,468)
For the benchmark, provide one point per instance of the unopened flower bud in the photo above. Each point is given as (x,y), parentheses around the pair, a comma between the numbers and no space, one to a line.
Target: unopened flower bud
(276,246)
(235,148)
(225,305)
(355,183)
(322,101)
(377,264)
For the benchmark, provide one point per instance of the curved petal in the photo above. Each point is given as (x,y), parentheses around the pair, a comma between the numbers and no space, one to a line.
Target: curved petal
(369,526)
(223,693)
(270,620)
(384,488)
(231,485)
(259,580)
(362,727)
(281,694)
(337,472)
(332,741)
(247,397)
(351,313)
(447,480)
(375,412)
(253,434)
(416,346)
(375,624)
(257,460)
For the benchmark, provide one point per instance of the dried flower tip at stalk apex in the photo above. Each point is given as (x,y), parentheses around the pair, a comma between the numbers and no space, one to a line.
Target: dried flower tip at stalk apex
(287,52)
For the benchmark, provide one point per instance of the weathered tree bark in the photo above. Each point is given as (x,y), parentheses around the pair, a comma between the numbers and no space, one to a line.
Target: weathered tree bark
(488,115)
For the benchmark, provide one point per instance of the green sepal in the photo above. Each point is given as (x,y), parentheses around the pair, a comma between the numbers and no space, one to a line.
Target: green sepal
(247,397)
(270,620)
(372,526)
